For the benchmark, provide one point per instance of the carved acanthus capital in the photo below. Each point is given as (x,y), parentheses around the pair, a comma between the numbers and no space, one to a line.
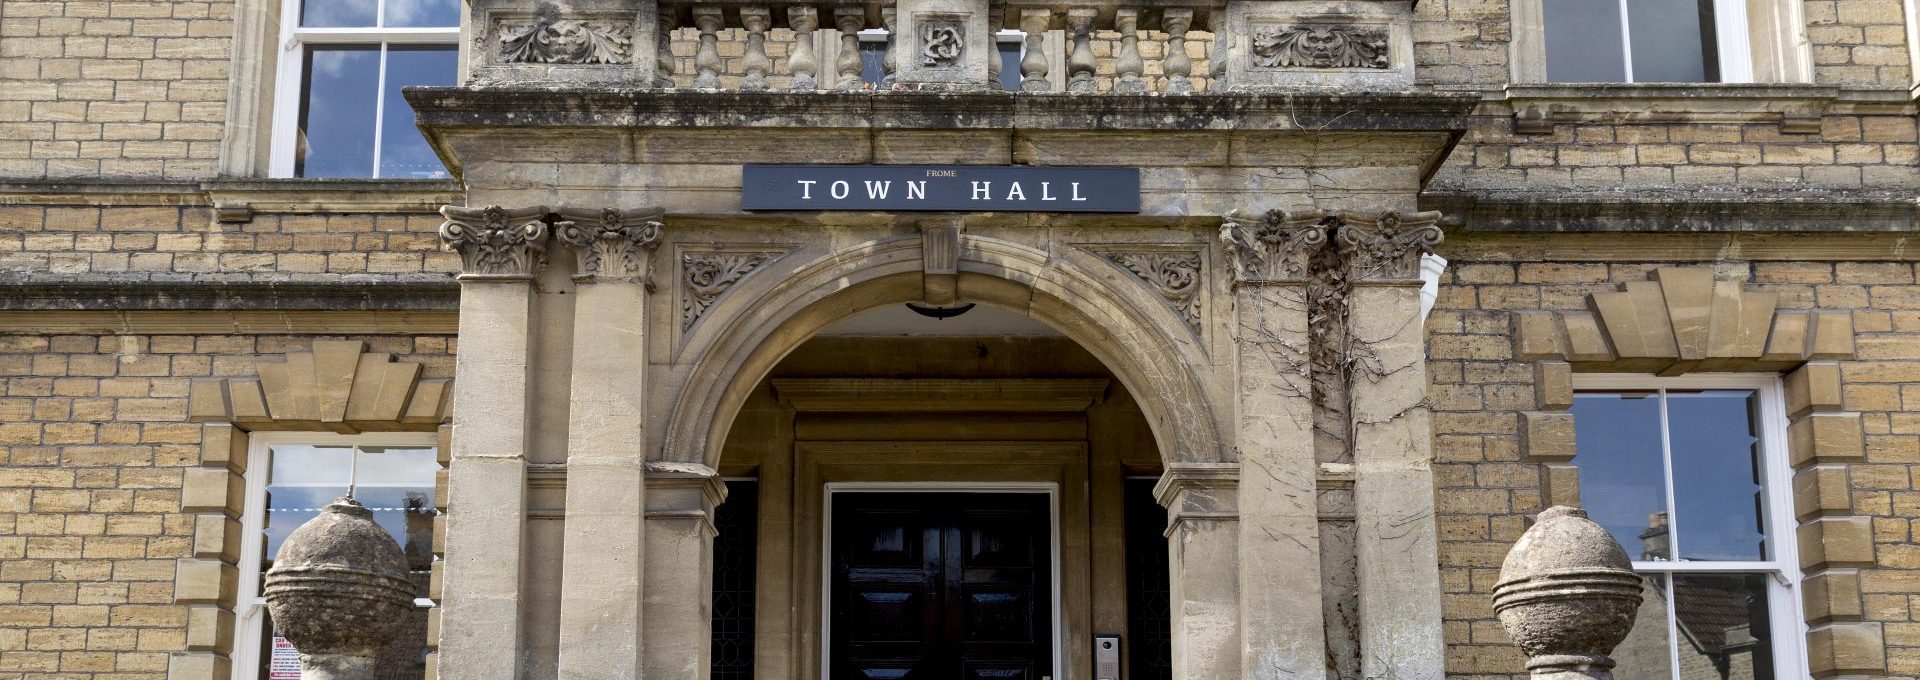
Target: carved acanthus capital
(496,242)
(611,243)
(1275,245)
(1387,245)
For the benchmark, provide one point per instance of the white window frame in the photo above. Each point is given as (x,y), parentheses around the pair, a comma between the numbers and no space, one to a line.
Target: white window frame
(1733,40)
(1788,623)
(250,606)
(1051,489)
(294,40)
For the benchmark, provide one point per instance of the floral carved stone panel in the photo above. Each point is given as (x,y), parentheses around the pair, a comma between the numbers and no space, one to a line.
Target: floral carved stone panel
(1174,275)
(707,276)
(942,42)
(549,38)
(1309,45)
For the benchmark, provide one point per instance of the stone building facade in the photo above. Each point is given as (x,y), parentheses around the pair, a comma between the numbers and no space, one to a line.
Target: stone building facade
(485,264)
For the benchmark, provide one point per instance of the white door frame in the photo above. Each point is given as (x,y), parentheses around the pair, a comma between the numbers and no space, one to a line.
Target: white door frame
(1051,489)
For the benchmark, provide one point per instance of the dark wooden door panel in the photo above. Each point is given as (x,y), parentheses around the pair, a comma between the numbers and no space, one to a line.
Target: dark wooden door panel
(941,586)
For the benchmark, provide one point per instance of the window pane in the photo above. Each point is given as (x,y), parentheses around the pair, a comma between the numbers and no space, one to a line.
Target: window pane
(1716,475)
(422,13)
(1583,41)
(336,13)
(1647,653)
(1617,441)
(403,150)
(1009,65)
(873,56)
(336,112)
(1673,41)
(1724,624)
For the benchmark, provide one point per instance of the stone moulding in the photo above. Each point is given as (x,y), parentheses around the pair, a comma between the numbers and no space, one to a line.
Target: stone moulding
(1797,109)
(337,387)
(1321,46)
(496,242)
(611,242)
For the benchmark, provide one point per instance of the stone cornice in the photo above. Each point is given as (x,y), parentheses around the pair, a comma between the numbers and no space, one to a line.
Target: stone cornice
(240,197)
(1668,211)
(1414,110)
(1796,108)
(231,296)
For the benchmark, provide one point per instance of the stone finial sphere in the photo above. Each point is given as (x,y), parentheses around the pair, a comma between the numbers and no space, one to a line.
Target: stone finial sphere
(1567,595)
(339,585)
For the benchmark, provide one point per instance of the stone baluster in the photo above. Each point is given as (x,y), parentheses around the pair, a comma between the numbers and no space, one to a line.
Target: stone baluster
(1178,67)
(1222,50)
(757,20)
(1033,67)
(1080,56)
(803,63)
(706,60)
(664,66)
(890,19)
(995,23)
(849,19)
(1128,66)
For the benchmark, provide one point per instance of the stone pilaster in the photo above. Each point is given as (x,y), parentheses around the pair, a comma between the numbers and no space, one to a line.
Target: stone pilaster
(1400,618)
(1281,628)
(677,632)
(600,607)
(1203,549)
(481,636)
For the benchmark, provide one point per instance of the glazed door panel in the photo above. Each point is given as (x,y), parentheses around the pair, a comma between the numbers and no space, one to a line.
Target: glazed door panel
(941,586)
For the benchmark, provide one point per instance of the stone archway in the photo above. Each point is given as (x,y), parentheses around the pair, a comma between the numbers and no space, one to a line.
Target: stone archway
(1144,343)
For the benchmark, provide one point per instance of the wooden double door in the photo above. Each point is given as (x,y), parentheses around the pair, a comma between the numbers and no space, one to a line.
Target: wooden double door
(941,586)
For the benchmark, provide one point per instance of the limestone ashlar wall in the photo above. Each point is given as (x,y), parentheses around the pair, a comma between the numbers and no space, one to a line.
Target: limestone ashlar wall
(95,448)
(1487,391)
(92,87)
(1598,150)
(167,242)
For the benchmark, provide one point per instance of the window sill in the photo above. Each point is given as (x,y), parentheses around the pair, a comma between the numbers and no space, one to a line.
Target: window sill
(235,200)
(1796,108)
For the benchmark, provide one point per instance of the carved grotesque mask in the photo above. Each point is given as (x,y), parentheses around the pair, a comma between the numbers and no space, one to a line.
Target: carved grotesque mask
(568,41)
(1321,44)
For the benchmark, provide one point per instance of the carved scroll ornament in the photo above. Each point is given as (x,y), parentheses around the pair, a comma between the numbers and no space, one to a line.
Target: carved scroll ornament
(495,241)
(550,39)
(1174,275)
(941,44)
(611,242)
(706,276)
(1274,245)
(1321,46)
(1387,245)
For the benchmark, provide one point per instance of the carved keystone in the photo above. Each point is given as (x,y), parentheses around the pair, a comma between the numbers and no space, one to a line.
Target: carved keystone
(1567,596)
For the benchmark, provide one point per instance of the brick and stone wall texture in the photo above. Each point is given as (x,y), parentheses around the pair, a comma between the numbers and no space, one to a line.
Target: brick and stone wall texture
(94,441)
(186,243)
(113,88)
(1486,491)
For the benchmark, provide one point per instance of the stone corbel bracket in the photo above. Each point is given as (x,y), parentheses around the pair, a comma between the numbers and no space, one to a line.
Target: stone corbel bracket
(337,387)
(1683,320)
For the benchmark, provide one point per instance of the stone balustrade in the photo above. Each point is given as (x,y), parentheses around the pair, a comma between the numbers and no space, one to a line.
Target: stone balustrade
(1177,47)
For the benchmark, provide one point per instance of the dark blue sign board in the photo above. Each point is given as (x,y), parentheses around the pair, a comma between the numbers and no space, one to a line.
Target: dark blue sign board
(942,188)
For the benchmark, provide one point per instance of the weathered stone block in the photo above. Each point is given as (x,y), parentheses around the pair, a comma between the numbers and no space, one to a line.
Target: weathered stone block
(204,581)
(1836,541)
(1553,385)
(1319,43)
(1814,387)
(211,490)
(608,42)
(1821,490)
(1832,595)
(1846,649)
(944,43)
(1826,438)
(1547,436)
